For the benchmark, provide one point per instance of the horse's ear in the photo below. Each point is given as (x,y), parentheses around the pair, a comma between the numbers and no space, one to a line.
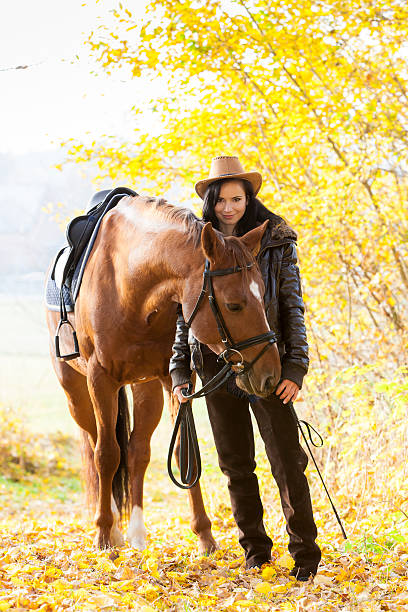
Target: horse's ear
(211,244)
(252,239)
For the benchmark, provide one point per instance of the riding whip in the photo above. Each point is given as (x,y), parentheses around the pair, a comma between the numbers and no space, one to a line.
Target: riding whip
(310,427)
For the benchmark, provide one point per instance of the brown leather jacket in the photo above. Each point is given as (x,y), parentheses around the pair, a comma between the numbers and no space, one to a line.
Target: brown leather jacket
(284,308)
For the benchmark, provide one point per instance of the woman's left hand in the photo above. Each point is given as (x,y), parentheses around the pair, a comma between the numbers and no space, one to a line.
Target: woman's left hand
(287,391)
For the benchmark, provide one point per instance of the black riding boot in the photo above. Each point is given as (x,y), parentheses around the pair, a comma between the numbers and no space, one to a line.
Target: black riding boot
(288,460)
(232,428)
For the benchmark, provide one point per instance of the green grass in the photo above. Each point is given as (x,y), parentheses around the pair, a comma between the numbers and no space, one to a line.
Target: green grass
(55,487)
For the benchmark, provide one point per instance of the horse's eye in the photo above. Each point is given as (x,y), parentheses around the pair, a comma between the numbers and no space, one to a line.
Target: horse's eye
(234,307)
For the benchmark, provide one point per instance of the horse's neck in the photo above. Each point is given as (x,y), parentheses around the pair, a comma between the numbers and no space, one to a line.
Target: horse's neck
(156,254)
(175,259)
(181,255)
(158,265)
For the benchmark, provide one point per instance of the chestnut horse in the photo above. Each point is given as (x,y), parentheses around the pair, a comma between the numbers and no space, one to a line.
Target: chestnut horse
(148,258)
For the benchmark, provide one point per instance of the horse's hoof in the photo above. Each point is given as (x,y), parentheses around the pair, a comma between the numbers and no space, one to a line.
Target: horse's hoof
(207,544)
(136,533)
(117,538)
(102,541)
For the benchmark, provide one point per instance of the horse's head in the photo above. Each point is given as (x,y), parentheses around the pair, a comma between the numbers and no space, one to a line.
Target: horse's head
(239,301)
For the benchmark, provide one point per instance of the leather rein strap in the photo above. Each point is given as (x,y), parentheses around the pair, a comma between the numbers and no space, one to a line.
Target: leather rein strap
(189,453)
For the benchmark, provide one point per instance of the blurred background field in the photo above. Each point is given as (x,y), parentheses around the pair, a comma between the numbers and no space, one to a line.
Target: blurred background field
(29,384)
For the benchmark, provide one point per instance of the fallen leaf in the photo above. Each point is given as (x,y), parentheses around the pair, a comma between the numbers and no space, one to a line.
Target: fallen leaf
(286,561)
(264,588)
(268,573)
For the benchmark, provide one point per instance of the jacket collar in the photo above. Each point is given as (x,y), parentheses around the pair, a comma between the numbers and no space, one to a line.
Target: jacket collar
(278,232)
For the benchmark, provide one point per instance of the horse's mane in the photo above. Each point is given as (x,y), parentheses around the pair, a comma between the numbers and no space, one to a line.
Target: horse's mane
(194,226)
(240,254)
(169,212)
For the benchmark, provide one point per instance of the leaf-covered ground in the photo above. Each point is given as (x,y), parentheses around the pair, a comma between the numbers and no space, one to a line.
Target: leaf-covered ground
(48,561)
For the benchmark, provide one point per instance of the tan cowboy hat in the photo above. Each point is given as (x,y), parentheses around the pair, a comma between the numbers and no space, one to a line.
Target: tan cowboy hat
(224,167)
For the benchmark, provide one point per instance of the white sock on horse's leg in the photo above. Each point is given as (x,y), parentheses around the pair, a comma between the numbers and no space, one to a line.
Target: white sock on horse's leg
(117,538)
(136,533)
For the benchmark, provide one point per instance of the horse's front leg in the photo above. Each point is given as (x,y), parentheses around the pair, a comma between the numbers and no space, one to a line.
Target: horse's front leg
(200,523)
(147,410)
(104,394)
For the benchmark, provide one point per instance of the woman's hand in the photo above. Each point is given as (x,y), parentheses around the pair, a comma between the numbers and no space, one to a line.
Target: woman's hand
(287,391)
(178,394)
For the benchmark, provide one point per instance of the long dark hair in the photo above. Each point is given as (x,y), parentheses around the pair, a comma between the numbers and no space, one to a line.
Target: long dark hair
(255,212)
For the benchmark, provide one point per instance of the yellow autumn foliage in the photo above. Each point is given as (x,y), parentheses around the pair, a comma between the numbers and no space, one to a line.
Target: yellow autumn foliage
(313,95)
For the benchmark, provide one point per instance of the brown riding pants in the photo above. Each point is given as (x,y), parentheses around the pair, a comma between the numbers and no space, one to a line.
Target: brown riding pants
(234,440)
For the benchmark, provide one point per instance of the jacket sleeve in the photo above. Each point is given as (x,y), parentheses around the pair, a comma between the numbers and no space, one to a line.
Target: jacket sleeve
(295,361)
(179,367)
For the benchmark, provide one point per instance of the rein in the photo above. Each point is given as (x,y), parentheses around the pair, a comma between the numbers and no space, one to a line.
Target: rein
(189,454)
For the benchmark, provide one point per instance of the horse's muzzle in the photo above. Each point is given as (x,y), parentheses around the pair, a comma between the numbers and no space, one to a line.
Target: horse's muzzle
(263,388)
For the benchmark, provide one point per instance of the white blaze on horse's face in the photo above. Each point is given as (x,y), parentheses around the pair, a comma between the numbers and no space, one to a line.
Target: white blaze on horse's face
(136,533)
(254,289)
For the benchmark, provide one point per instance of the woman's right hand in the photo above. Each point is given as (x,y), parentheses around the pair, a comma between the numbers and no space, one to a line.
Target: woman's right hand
(178,394)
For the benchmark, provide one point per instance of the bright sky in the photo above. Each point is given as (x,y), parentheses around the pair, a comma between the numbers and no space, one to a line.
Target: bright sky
(56,99)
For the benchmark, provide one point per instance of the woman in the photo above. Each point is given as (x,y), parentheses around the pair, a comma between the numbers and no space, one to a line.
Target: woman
(230,204)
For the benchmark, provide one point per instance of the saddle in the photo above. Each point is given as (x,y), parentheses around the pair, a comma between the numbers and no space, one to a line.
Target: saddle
(69,264)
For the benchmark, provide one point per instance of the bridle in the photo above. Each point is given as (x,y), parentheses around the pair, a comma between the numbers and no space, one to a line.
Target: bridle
(231,348)
(189,455)
(184,420)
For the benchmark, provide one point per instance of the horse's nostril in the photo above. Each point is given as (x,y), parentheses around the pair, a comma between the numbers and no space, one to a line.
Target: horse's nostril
(270,385)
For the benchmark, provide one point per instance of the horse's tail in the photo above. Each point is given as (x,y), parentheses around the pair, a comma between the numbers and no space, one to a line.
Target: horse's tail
(120,484)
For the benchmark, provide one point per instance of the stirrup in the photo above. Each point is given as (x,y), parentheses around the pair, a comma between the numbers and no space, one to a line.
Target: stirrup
(69,356)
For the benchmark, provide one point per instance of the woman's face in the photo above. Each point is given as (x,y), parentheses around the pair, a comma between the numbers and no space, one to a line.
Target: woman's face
(231,205)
